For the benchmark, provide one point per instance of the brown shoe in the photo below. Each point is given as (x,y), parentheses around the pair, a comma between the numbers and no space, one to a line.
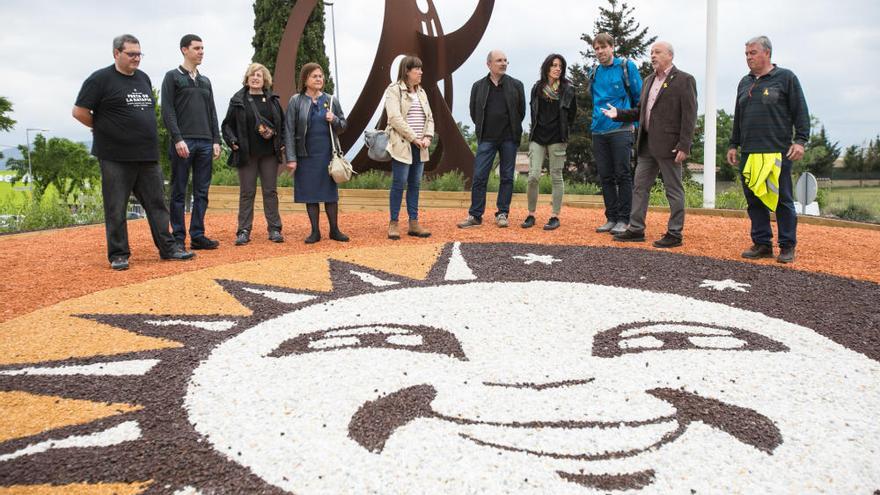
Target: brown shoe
(416,231)
(786,254)
(393,230)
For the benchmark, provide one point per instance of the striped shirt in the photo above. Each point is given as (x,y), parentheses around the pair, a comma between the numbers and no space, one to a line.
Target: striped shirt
(415,118)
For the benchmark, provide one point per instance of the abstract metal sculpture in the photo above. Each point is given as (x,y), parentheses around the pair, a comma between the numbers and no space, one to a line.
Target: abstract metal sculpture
(406,31)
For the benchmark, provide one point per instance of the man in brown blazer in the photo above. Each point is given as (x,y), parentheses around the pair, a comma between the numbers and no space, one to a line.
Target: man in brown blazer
(667,115)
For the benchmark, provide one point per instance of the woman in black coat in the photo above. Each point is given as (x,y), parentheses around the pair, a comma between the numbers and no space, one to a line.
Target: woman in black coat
(254,129)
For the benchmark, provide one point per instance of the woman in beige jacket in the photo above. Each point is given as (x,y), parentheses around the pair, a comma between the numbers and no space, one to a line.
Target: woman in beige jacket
(410,131)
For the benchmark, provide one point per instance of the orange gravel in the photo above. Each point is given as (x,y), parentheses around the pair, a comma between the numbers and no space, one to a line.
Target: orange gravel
(43,268)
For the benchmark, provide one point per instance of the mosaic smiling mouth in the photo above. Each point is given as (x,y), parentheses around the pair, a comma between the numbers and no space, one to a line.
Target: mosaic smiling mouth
(374,423)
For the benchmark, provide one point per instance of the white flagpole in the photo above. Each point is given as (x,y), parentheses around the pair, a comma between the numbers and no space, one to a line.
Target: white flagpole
(710,135)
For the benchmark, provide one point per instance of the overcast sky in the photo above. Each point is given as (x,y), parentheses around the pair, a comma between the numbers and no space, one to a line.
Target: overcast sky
(47,48)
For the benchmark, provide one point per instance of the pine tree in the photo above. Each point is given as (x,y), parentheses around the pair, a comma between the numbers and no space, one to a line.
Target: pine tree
(820,153)
(6,122)
(270,19)
(631,41)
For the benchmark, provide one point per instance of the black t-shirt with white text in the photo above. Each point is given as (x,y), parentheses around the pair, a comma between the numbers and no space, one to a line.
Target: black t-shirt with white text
(124,115)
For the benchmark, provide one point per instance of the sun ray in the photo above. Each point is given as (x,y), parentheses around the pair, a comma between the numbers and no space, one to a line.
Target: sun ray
(413,262)
(26,414)
(118,368)
(458,269)
(77,489)
(124,432)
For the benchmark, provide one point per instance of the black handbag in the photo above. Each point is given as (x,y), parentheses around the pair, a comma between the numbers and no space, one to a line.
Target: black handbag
(265,128)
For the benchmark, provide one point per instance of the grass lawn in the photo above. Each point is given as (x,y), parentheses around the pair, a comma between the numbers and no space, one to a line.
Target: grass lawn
(841,197)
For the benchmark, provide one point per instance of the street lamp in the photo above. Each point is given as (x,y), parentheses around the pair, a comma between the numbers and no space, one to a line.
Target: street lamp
(27,133)
(335,60)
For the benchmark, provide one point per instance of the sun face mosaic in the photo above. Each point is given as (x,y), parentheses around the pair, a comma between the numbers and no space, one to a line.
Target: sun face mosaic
(465,368)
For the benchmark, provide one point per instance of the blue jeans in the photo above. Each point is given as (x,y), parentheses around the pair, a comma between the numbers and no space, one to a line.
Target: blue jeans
(200,159)
(612,153)
(786,215)
(409,177)
(483,166)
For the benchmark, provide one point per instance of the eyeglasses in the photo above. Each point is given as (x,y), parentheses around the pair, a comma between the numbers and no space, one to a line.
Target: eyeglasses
(134,54)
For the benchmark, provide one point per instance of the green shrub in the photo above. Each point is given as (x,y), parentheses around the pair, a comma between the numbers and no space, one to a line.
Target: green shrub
(494,182)
(585,188)
(371,179)
(855,212)
(822,198)
(450,181)
(224,176)
(693,195)
(731,199)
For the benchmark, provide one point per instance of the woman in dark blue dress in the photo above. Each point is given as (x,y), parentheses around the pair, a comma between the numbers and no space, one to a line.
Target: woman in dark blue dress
(308,146)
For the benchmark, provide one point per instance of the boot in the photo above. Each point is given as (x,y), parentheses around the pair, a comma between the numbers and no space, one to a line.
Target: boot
(416,231)
(393,230)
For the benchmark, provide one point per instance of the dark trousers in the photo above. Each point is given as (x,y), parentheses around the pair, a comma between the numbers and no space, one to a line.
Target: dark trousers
(200,159)
(612,153)
(267,168)
(406,176)
(786,215)
(118,181)
(486,152)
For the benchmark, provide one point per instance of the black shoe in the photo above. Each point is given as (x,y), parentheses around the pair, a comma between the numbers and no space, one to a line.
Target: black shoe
(529,222)
(552,224)
(758,251)
(244,237)
(119,263)
(786,254)
(178,255)
(275,236)
(314,237)
(629,236)
(338,236)
(667,241)
(203,243)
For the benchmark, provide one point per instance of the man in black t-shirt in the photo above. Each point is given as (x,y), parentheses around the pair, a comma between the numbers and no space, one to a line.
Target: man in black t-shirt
(191,119)
(116,102)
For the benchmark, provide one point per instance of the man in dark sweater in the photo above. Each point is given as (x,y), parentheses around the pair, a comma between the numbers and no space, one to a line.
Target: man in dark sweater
(770,109)
(498,107)
(191,119)
(116,102)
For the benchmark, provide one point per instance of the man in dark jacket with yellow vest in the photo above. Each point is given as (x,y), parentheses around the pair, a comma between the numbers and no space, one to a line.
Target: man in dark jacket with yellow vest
(770,108)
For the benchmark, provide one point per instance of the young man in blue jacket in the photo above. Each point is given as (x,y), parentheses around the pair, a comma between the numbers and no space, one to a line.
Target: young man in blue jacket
(616,82)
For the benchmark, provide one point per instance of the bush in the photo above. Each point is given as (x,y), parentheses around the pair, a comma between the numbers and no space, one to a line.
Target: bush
(224,176)
(693,195)
(855,212)
(450,181)
(371,179)
(585,188)
(47,212)
(731,199)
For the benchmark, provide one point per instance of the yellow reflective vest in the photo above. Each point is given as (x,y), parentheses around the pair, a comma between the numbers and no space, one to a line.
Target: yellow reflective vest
(761,175)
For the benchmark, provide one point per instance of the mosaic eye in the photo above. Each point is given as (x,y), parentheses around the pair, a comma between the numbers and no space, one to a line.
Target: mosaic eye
(414,338)
(668,336)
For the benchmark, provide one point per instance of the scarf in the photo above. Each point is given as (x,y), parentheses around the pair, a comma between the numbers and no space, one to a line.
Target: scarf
(551,91)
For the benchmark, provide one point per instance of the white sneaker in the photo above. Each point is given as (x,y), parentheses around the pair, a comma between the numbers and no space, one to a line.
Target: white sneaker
(618,228)
(501,220)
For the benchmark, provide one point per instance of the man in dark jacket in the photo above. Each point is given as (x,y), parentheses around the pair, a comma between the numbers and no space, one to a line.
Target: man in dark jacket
(191,119)
(498,107)
(667,115)
(770,118)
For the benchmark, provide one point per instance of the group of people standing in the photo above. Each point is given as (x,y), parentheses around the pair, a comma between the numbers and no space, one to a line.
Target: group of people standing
(657,116)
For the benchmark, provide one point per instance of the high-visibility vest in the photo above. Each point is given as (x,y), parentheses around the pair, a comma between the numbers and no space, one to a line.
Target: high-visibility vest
(761,175)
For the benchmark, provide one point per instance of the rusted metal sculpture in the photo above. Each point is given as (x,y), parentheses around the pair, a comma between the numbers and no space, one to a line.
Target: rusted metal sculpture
(406,30)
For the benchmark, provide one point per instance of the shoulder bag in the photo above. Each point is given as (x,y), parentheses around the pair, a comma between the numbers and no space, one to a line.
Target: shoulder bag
(339,168)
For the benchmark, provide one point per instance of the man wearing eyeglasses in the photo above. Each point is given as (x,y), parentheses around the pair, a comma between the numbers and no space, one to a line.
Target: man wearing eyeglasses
(116,102)
(771,122)
(191,119)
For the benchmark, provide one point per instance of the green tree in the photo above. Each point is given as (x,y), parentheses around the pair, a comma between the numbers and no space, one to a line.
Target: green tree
(723,129)
(632,42)
(164,139)
(270,19)
(469,137)
(60,162)
(855,160)
(6,122)
(819,153)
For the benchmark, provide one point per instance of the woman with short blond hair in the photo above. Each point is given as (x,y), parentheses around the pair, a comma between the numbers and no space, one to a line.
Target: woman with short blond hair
(253,129)
(410,132)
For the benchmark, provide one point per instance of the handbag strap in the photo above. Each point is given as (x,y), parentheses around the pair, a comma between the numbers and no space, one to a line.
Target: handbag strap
(258,117)
(333,138)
